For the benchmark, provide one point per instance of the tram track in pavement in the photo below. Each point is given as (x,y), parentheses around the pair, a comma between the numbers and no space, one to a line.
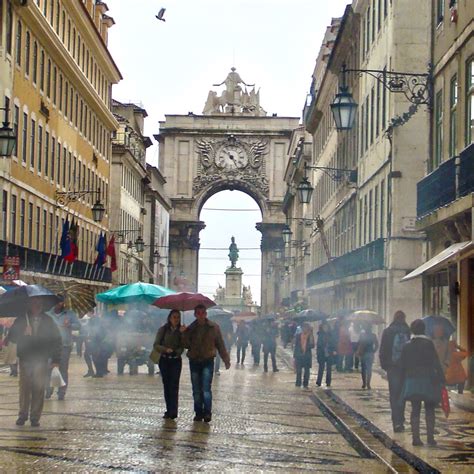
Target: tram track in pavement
(364,436)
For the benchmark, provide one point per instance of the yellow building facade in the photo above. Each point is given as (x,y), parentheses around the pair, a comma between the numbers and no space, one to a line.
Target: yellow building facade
(57,83)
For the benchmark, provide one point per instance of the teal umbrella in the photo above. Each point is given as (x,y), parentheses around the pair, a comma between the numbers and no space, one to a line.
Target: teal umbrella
(134,293)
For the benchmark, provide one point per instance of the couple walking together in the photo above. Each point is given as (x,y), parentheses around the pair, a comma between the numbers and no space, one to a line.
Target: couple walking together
(203,340)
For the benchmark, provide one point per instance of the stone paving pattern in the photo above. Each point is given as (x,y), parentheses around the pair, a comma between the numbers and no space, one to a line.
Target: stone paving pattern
(261,423)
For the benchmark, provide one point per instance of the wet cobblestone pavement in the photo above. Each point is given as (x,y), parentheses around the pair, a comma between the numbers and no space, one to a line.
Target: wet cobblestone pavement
(261,423)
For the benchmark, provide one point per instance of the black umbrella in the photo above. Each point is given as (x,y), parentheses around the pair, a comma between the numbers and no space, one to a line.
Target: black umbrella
(308,315)
(14,302)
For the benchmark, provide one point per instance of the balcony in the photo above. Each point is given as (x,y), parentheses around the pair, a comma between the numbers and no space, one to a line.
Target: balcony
(362,260)
(451,180)
(36,261)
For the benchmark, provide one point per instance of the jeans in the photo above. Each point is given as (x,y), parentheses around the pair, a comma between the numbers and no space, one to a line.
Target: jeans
(302,368)
(366,361)
(325,362)
(241,349)
(201,379)
(397,405)
(170,369)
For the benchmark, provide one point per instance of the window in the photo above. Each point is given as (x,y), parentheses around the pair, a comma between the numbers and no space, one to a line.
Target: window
(382,208)
(372,115)
(27,53)
(57,17)
(55,86)
(58,158)
(66,99)
(370,213)
(40,148)
(63,35)
(367,30)
(46,154)
(42,70)
(50,232)
(64,166)
(9,28)
(32,143)
(384,105)
(60,92)
(377,114)
(22,222)
(35,62)
(453,102)
(16,121)
(13,220)
(45,228)
(366,124)
(30,224)
(469,101)
(45,7)
(4,214)
(376,212)
(53,158)
(439,11)
(24,139)
(69,35)
(38,224)
(379,15)
(18,43)
(438,129)
(48,79)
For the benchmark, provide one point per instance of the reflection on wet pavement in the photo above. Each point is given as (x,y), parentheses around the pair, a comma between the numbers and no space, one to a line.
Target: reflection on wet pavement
(261,422)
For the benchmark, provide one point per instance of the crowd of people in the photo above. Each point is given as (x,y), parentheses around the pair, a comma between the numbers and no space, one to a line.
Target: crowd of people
(417,364)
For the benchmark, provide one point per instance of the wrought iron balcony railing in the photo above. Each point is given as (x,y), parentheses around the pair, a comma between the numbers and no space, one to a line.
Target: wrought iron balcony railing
(365,259)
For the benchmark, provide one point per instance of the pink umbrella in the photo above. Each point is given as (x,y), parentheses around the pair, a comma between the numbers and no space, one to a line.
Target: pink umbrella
(183,301)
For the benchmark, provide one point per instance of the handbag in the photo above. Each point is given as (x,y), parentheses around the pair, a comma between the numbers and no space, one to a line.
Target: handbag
(445,401)
(155,354)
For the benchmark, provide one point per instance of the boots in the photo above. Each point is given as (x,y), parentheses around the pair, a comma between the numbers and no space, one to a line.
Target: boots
(415,430)
(430,424)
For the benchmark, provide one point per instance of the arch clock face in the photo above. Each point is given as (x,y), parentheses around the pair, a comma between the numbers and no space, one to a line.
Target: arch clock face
(231,157)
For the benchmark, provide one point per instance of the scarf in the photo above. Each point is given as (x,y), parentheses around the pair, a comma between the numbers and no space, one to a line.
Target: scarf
(304,341)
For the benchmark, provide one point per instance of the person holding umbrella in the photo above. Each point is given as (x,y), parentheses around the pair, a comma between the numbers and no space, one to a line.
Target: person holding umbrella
(168,343)
(38,339)
(203,339)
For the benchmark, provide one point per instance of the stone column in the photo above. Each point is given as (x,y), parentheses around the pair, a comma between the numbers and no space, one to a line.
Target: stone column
(184,253)
(271,240)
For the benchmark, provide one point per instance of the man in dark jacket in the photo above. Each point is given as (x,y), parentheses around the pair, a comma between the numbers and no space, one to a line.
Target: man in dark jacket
(203,339)
(269,336)
(393,339)
(38,339)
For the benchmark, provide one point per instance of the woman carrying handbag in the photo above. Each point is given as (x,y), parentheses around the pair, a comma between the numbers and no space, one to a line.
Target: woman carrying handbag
(423,380)
(168,346)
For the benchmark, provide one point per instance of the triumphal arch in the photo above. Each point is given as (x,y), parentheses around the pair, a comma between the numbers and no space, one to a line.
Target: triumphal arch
(232,145)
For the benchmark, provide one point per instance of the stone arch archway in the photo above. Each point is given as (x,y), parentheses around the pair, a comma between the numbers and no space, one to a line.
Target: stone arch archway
(201,155)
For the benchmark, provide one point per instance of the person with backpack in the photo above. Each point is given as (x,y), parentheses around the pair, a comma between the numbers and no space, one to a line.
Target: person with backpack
(393,339)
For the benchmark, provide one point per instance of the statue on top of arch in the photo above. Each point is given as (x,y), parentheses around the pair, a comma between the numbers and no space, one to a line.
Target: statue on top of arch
(234,100)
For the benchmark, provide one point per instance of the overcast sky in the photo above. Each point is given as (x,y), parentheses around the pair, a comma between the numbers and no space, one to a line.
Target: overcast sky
(169,68)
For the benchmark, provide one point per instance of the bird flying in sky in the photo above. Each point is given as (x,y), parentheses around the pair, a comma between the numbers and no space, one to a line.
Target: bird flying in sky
(161,14)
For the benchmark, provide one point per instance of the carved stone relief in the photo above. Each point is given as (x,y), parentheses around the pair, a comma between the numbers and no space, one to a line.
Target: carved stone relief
(231,160)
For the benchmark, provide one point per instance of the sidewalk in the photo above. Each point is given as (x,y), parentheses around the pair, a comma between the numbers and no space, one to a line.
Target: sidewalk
(455,450)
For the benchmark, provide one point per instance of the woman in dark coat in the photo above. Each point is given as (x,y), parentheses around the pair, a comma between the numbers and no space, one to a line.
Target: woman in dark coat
(423,379)
(304,343)
(168,343)
(325,353)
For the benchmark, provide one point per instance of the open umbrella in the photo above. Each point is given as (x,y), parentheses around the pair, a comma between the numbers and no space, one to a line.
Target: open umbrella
(183,301)
(219,315)
(365,316)
(133,293)
(14,303)
(435,320)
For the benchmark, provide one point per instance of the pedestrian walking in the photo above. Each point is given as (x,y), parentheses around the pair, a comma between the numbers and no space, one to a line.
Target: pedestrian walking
(96,338)
(368,345)
(354,335)
(423,379)
(269,336)
(38,340)
(344,347)
(241,341)
(169,344)
(256,344)
(203,339)
(67,322)
(303,354)
(391,345)
(455,373)
(325,353)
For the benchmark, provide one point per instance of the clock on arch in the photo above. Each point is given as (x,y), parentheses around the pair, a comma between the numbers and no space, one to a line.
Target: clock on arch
(231,157)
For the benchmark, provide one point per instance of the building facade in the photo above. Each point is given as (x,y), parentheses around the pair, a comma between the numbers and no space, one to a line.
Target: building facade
(444,195)
(127,215)
(365,240)
(57,81)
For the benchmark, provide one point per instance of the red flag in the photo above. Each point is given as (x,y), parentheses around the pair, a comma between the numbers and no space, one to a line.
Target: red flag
(110,252)
(73,235)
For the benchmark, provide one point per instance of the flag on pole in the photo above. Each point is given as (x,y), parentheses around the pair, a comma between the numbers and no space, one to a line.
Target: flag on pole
(65,242)
(110,252)
(73,241)
(101,251)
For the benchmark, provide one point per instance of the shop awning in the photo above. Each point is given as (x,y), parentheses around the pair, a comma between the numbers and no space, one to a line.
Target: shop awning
(441,260)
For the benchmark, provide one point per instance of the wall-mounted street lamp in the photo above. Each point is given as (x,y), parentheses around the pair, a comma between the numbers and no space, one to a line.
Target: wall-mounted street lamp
(66,197)
(7,135)
(416,87)
(305,190)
